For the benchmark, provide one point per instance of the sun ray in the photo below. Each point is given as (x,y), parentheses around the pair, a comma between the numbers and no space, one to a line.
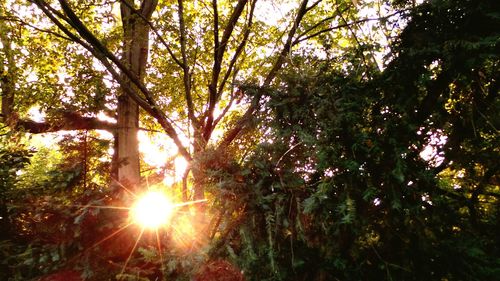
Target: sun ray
(124,188)
(81,207)
(71,260)
(159,248)
(190,203)
(111,235)
(100,207)
(181,238)
(132,252)
(184,234)
(182,212)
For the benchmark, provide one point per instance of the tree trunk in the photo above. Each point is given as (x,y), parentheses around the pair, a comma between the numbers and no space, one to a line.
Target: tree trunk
(7,72)
(127,145)
(135,55)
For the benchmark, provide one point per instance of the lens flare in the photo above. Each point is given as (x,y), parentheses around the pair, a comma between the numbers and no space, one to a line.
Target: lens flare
(152,210)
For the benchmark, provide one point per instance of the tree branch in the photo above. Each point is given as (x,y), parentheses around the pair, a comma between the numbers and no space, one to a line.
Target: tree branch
(156,32)
(288,45)
(152,110)
(225,110)
(47,10)
(320,22)
(313,5)
(218,57)
(300,38)
(35,27)
(147,8)
(70,121)
(216,28)
(185,67)
(235,15)
(87,35)
(239,49)
(355,36)
(103,54)
(212,87)
(8,70)
(243,121)
(150,105)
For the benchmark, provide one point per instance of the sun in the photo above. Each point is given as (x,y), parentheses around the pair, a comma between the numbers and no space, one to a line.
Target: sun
(152,210)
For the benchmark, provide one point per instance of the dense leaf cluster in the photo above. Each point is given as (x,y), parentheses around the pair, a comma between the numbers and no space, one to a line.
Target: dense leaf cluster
(389,178)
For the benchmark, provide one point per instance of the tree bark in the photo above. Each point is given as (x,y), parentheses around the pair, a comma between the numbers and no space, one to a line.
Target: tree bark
(67,121)
(135,55)
(7,71)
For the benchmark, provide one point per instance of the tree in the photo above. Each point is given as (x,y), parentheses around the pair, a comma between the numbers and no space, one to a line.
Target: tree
(129,73)
(321,173)
(75,61)
(149,79)
(340,187)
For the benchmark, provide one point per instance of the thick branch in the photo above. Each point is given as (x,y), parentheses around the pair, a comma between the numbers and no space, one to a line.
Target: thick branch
(226,109)
(7,71)
(220,49)
(216,28)
(87,35)
(243,121)
(212,87)
(147,8)
(152,110)
(301,37)
(320,23)
(288,45)
(230,27)
(239,49)
(99,55)
(70,121)
(103,54)
(235,57)
(156,32)
(185,67)
(313,5)
(218,57)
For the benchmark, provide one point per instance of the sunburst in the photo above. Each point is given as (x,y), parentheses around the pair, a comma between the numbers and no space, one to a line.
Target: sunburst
(151,211)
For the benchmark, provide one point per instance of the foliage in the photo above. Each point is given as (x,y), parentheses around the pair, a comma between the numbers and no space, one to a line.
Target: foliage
(353,170)
(42,223)
(342,188)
